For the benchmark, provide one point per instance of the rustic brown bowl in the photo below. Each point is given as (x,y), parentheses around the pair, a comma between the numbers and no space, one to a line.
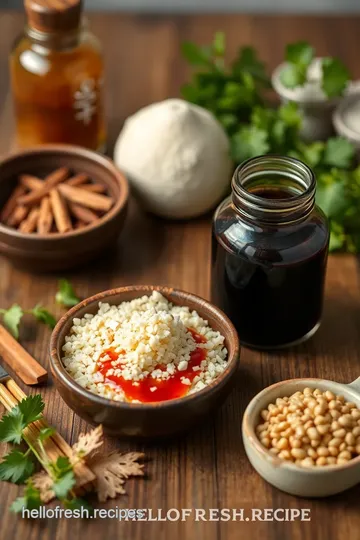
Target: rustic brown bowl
(62,251)
(148,420)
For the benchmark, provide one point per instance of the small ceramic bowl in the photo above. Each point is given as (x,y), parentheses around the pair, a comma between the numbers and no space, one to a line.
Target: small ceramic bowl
(62,251)
(316,109)
(304,482)
(148,420)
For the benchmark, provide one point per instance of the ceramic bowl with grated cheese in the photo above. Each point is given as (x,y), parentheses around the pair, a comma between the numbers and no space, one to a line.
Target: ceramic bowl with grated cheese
(144,361)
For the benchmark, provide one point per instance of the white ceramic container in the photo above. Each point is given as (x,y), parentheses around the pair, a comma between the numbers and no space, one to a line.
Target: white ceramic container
(286,476)
(346,118)
(316,108)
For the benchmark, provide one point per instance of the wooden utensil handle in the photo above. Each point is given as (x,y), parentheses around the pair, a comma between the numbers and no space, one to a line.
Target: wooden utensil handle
(24,365)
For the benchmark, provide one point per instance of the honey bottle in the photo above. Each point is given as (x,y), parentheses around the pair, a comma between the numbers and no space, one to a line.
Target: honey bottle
(57,78)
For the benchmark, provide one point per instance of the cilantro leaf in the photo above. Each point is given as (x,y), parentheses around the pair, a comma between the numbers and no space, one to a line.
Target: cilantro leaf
(249,142)
(63,475)
(62,465)
(299,56)
(31,408)
(332,199)
(289,113)
(46,433)
(64,485)
(196,56)
(339,152)
(43,315)
(299,53)
(337,236)
(31,499)
(219,45)
(311,154)
(335,77)
(12,318)
(16,467)
(11,426)
(248,62)
(66,294)
(18,505)
(78,504)
(292,76)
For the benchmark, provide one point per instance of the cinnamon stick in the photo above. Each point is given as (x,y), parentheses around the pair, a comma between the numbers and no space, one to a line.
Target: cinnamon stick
(94,188)
(29,225)
(80,224)
(86,198)
(78,179)
(46,217)
(20,361)
(11,203)
(83,214)
(31,182)
(61,214)
(17,216)
(48,184)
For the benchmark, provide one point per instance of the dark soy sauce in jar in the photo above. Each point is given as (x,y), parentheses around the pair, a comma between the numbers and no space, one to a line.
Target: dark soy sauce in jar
(269,258)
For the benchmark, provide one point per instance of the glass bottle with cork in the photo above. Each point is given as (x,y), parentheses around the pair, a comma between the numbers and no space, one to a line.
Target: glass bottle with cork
(57,78)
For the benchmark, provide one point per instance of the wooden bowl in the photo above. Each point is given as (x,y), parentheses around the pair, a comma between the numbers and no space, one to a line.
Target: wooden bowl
(148,420)
(59,251)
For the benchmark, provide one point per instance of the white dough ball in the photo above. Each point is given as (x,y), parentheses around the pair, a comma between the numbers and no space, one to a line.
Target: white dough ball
(177,158)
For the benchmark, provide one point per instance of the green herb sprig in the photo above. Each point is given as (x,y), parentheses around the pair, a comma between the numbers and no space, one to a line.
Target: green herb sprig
(299,55)
(235,95)
(13,315)
(66,295)
(18,466)
(229,93)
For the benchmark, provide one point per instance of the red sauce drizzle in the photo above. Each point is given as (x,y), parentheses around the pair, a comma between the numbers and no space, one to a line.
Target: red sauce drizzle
(171,388)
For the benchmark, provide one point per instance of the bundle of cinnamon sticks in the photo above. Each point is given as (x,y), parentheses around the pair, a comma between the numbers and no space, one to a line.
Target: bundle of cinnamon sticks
(59,203)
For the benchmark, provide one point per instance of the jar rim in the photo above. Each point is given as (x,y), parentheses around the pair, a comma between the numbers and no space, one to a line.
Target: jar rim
(296,206)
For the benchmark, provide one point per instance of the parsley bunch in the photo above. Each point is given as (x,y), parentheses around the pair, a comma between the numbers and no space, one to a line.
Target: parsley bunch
(18,466)
(229,93)
(235,95)
(299,55)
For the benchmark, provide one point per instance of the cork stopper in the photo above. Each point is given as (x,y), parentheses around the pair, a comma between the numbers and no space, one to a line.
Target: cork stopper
(53,15)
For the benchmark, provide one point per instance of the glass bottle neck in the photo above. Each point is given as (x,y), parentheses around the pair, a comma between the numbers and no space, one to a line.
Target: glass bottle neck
(273,189)
(56,40)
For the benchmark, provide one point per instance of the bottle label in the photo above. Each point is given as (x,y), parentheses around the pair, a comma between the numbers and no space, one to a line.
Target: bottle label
(85,101)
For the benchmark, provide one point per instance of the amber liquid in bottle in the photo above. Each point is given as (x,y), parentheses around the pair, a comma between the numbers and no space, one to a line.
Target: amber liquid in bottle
(57,91)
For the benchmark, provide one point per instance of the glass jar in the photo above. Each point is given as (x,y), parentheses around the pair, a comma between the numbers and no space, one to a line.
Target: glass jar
(269,253)
(57,78)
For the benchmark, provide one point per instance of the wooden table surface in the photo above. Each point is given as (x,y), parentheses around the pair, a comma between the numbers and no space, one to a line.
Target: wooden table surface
(207,468)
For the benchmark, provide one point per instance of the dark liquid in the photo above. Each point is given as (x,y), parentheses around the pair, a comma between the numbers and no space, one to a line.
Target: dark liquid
(271,286)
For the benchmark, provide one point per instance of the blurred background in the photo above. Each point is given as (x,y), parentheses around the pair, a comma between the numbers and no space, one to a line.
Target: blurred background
(264,6)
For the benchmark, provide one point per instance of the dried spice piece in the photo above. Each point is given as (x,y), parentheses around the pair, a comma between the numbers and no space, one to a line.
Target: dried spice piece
(88,443)
(112,471)
(49,183)
(86,198)
(29,225)
(60,211)
(59,203)
(83,214)
(44,483)
(46,216)
(11,204)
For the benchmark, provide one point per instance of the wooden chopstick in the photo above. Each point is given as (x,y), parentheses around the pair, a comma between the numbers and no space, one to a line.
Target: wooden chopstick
(24,365)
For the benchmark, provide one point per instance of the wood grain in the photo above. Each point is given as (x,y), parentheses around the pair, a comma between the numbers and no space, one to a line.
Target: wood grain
(206,468)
